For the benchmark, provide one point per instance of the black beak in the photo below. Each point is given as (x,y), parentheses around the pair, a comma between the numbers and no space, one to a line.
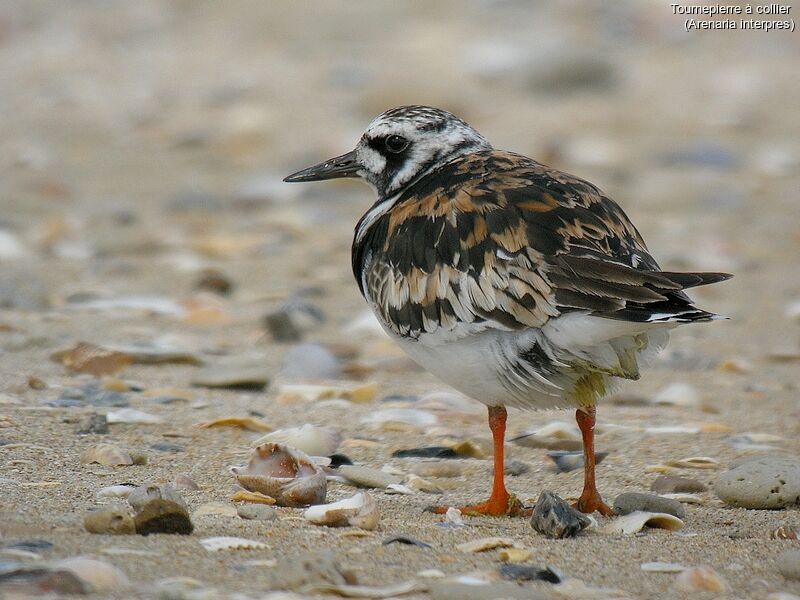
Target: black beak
(345,165)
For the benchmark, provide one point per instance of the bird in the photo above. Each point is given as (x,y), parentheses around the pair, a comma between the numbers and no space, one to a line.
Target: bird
(515,283)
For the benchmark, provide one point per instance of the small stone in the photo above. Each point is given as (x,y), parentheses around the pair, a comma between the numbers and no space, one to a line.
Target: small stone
(789,564)
(570,461)
(215,509)
(94,423)
(367,477)
(672,484)
(700,579)
(256,512)
(426,452)
(632,501)
(439,468)
(297,572)
(159,510)
(114,520)
(213,280)
(233,374)
(100,576)
(528,573)
(292,320)
(420,484)
(515,555)
(515,468)
(133,416)
(554,518)
(306,362)
(186,483)
(763,483)
(167,447)
(92,359)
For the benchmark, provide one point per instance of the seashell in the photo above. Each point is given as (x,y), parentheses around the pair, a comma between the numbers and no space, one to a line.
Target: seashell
(483,544)
(313,440)
(407,416)
(100,576)
(367,477)
(452,517)
(249,423)
(215,509)
(358,393)
(785,532)
(253,497)
(186,483)
(122,490)
(677,394)
(636,521)
(415,482)
(700,579)
(359,511)
(217,544)
(662,567)
(106,454)
(88,358)
(398,488)
(687,498)
(286,474)
(131,415)
(695,462)
(514,555)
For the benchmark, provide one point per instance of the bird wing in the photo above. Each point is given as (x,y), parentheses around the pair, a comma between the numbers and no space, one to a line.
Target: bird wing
(497,240)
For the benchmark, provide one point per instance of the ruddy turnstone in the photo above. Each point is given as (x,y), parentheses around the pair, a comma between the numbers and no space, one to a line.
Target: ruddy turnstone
(515,283)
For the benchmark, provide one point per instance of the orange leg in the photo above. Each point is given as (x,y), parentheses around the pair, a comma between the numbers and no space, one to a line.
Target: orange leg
(500,503)
(590,499)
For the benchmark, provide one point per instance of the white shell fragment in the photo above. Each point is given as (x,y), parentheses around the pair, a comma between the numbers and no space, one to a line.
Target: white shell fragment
(453,517)
(286,474)
(636,521)
(677,394)
(399,488)
(487,543)
(115,491)
(102,577)
(216,544)
(662,567)
(131,415)
(358,511)
(308,438)
(695,462)
(701,579)
(686,498)
(106,454)
(364,591)
(407,416)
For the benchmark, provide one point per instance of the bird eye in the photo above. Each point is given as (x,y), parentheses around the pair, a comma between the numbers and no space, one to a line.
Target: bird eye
(396,144)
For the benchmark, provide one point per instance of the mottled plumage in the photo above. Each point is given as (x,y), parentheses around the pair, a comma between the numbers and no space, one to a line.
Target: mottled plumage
(516,283)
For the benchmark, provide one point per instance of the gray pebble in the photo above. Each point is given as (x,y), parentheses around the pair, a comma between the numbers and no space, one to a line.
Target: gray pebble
(672,484)
(289,322)
(94,423)
(299,571)
(159,510)
(256,512)
(554,518)
(516,468)
(632,501)
(766,482)
(570,461)
(233,374)
(367,477)
(167,447)
(113,520)
(789,564)
(311,361)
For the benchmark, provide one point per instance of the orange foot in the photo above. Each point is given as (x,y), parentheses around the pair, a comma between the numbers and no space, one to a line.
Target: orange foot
(591,501)
(503,506)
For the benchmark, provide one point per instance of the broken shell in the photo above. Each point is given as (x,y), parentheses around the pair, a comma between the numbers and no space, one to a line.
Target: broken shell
(367,477)
(636,521)
(399,488)
(359,511)
(662,567)
(123,490)
(313,440)
(453,517)
(286,474)
(106,454)
(483,544)
(249,423)
(253,497)
(514,555)
(88,358)
(701,579)
(785,532)
(694,462)
(131,415)
(407,416)
(215,509)
(415,482)
(354,392)
(215,544)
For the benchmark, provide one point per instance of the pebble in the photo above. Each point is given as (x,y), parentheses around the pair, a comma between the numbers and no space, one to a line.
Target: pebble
(310,362)
(159,510)
(235,374)
(256,512)
(677,394)
(571,461)
(94,423)
(215,281)
(167,447)
(515,468)
(298,571)
(426,452)
(700,579)
(673,484)
(186,483)
(92,359)
(122,490)
(367,477)
(529,573)
(633,501)
(453,518)
(515,555)
(293,320)
(158,353)
(106,454)
(789,564)
(115,520)
(554,518)
(767,482)
(662,567)
(131,415)
(215,509)
(419,484)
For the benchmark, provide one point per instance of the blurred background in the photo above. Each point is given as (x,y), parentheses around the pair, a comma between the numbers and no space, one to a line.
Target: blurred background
(144,143)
